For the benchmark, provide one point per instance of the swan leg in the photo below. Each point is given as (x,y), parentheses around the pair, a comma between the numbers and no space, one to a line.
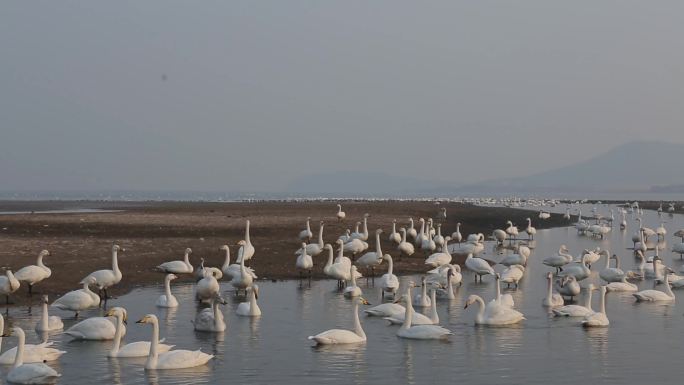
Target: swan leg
(30,289)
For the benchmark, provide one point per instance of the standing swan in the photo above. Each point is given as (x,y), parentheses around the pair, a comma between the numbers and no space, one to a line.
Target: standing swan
(389,282)
(133,349)
(244,279)
(340,214)
(372,258)
(178,267)
(478,266)
(656,295)
(33,274)
(8,285)
(304,262)
(306,234)
(405,248)
(341,336)
(174,359)
(107,278)
(246,252)
(48,322)
(394,237)
(36,373)
(411,232)
(232,270)
(167,299)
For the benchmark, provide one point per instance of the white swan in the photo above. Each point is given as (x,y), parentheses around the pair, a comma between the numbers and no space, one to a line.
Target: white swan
(304,262)
(456,235)
(306,234)
(389,283)
(33,274)
(246,252)
(405,248)
(244,279)
(132,349)
(394,236)
(438,239)
(447,292)
(531,231)
(250,308)
(372,259)
(340,254)
(422,299)
(346,237)
(518,258)
(652,295)
(78,300)
(599,318)
(95,328)
(313,249)
(178,267)
(341,336)
(34,373)
(499,235)
(622,285)
(231,270)
(174,359)
(416,318)
(502,299)
(440,276)
(355,246)
(559,260)
(385,310)
(364,234)
(48,323)
(340,214)
(207,287)
(552,299)
(612,274)
(576,310)
(479,266)
(32,353)
(8,284)
(494,313)
(579,270)
(107,278)
(338,270)
(353,290)
(512,275)
(418,332)
(167,299)
(511,230)
(568,287)
(211,319)
(441,258)
(411,232)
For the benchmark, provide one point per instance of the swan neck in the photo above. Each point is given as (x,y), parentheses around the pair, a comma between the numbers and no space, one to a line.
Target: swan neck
(117,334)
(167,287)
(408,312)
(481,308)
(378,249)
(587,301)
(357,323)
(247,233)
(39,262)
(19,358)
(44,317)
(226,262)
(320,236)
(115,261)
(603,301)
(153,356)
(433,307)
(390,266)
(218,316)
(330,258)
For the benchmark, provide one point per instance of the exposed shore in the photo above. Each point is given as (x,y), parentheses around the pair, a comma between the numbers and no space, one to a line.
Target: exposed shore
(155,232)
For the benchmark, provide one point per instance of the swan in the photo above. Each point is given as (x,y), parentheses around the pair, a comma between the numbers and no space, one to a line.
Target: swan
(341,336)
(474,245)
(372,259)
(405,248)
(417,318)
(611,274)
(244,279)
(207,287)
(500,236)
(438,239)
(304,262)
(566,216)
(447,292)
(427,244)
(411,232)
(246,252)
(418,240)
(591,256)
(78,300)
(494,313)
(167,299)
(340,214)
(353,290)
(107,278)
(32,353)
(579,270)
(439,259)
(442,215)
(456,235)
(418,332)
(201,270)
(511,230)
(211,319)
(48,323)
(569,287)
(389,283)
(640,243)
(576,310)
(678,248)
(654,269)
(178,267)
(346,237)
(623,220)
(355,246)
(544,215)
(306,234)
(502,299)
(652,295)
(520,258)
(132,349)
(385,310)
(479,266)
(680,234)
(440,276)
(430,229)
(622,285)
(362,235)
(340,254)
(8,284)
(313,249)
(394,237)
(250,308)
(422,299)
(648,232)
(174,359)
(29,373)
(339,270)
(581,225)
(552,299)
(599,318)
(94,328)
(231,270)
(33,274)
(531,231)
(513,274)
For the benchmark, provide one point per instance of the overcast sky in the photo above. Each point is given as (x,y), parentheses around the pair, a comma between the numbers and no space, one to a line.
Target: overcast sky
(249,95)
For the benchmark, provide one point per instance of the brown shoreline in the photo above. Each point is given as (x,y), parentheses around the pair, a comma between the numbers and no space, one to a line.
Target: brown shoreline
(155,232)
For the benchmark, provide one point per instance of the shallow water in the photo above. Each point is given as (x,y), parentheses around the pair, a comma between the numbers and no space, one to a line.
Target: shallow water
(642,342)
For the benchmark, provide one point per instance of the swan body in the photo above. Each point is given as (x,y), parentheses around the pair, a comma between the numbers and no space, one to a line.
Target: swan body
(94,328)
(394,236)
(576,310)
(244,279)
(438,259)
(422,299)
(78,300)
(107,278)
(207,287)
(531,231)
(479,266)
(513,274)
(48,323)
(494,313)
(167,299)
(174,359)
(250,308)
(456,235)
(363,236)
(569,287)
(353,290)
(231,270)
(418,332)
(341,336)
(8,284)
(438,239)
(552,299)
(132,349)
(499,235)
(304,260)
(373,258)
(28,373)
(520,258)
(579,270)
(405,248)
(341,271)
(622,285)
(656,295)
(440,276)
(211,319)
(511,230)
(33,274)
(599,318)
(385,310)
(678,248)
(411,232)
(306,234)
(178,267)
(313,249)
(389,283)
(612,274)
(340,214)
(355,246)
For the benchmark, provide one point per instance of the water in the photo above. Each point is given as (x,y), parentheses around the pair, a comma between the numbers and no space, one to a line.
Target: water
(641,342)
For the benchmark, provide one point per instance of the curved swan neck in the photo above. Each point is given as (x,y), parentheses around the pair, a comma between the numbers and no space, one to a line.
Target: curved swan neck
(320,235)
(408,312)
(39,261)
(152,357)
(411,222)
(186,258)
(403,235)
(19,358)
(247,232)
(330,258)
(587,300)
(115,261)
(117,333)
(167,287)
(481,308)
(226,262)
(357,323)
(378,249)
(218,316)
(668,290)
(390,265)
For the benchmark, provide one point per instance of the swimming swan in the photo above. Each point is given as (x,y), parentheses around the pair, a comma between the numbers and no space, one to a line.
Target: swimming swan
(250,308)
(494,313)
(78,300)
(418,332)
(167,299)
(211,319)
(174,359)
(29,373)
(133,349)
(48,322)
(341,336)
(599,318)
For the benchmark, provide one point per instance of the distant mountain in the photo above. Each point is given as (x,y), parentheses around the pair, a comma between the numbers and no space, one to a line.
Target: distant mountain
(365,184)
(635,166)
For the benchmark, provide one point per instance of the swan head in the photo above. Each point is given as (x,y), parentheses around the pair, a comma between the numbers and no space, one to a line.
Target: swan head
(321,223)
(188,251)
(13,331)
(387,257)
(363,301)
(115,248)
(401,299)
(366,215)
(219,299)
(471,300)
(241,243)
(89,280)
(255,289)
(44,299)
(171,277)
(147,319)
(378,231)
(549,276)
(118,312)
(44,253)
(224,248)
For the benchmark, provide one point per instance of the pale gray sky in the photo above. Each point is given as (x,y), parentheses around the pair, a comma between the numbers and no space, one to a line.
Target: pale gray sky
(258,93)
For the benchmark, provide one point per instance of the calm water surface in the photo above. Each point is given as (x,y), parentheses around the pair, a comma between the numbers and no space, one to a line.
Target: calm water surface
(642,343)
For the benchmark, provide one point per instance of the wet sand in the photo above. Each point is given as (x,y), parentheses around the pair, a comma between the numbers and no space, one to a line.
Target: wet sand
(155,232)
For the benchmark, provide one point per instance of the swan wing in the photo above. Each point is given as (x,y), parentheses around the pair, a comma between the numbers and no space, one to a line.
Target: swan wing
(336,336)
(178,359)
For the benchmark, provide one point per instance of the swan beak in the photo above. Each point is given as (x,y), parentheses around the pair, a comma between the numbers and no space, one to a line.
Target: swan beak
(140,321)
(466,306)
